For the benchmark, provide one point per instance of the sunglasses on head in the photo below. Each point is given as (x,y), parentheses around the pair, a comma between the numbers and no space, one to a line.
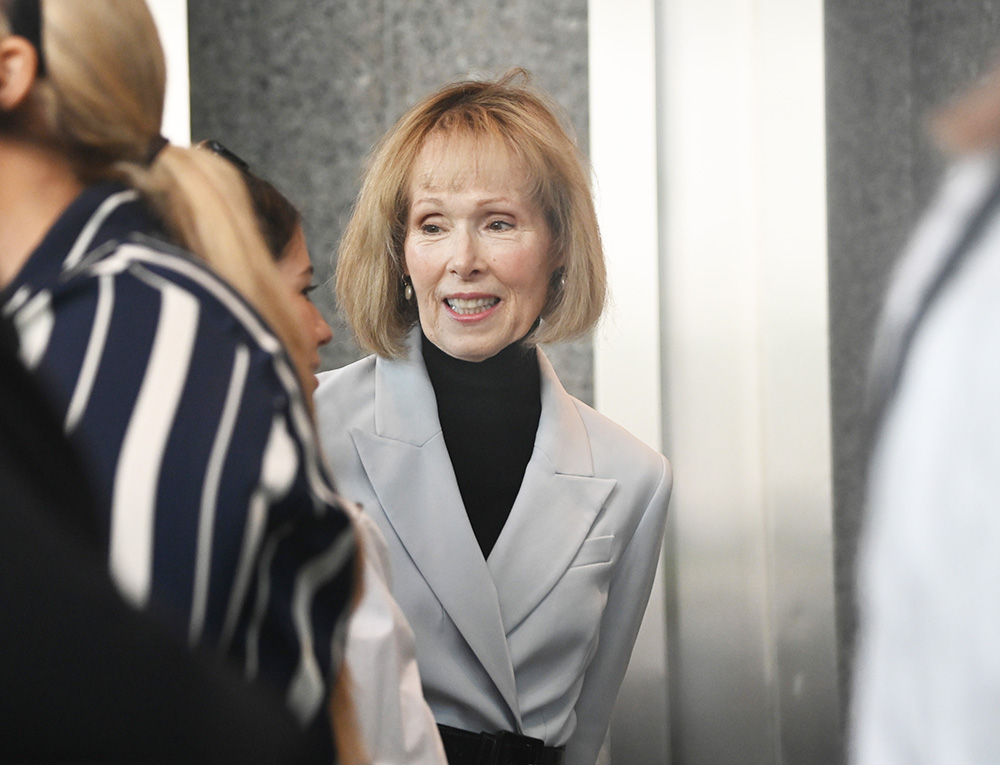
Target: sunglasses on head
(217,148)
(25,19)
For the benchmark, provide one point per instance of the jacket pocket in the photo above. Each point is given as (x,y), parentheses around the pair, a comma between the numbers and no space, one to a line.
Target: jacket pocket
(594,550)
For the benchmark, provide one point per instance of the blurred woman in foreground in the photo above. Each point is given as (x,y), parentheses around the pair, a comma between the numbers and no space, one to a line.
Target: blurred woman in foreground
(146,300)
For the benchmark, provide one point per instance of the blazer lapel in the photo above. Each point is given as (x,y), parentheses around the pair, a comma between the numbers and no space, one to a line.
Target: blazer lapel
(555,508)
(409,467)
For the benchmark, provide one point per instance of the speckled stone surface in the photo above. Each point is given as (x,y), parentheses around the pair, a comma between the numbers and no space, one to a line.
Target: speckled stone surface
(889,64)
(303,90)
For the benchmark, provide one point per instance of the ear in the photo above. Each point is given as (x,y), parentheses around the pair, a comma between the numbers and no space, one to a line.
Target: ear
(558,260)
(18,68)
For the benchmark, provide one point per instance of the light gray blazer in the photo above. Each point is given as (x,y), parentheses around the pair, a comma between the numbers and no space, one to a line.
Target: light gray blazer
(536,639)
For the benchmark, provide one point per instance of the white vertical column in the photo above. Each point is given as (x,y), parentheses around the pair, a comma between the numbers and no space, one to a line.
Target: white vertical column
(627,344)
(623,153)
(171,21)
(795,380)
(752,649)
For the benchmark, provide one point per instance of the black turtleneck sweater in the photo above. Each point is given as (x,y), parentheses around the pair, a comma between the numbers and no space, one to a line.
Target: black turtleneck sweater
(489,413)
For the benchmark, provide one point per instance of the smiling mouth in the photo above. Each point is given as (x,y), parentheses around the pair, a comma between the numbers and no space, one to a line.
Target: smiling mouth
(464,307)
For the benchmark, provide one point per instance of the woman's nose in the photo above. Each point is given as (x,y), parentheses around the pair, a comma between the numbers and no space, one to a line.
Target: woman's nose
(465,258)
(322,332)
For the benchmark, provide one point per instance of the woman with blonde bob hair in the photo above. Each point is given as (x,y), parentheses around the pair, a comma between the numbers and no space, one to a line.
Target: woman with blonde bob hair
(503,114)
(146,301)
(523,527)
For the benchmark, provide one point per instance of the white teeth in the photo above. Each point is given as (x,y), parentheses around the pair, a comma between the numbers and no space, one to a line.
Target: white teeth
(466,307)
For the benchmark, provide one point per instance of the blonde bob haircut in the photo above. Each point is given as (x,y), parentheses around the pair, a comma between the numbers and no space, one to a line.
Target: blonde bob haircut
(100,105)
(507,112)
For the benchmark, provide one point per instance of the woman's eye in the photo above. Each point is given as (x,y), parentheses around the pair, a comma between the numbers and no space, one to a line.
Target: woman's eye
(500,225)
(430,228)
(307,290)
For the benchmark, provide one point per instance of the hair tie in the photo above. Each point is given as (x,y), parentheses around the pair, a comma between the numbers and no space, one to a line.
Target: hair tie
(155,147)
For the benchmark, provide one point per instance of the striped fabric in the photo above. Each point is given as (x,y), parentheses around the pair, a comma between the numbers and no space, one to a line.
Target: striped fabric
(219,507)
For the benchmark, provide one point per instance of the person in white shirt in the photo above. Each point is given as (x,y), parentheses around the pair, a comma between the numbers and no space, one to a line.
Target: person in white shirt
(926,685)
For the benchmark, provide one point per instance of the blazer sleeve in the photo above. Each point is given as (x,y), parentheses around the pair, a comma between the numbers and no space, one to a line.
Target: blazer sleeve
(628,594)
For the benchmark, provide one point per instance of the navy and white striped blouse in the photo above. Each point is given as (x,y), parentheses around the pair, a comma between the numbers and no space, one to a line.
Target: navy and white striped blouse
(219,507)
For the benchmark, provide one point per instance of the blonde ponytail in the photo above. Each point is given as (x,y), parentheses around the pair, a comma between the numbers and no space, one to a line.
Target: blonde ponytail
(101,104)
(204,204)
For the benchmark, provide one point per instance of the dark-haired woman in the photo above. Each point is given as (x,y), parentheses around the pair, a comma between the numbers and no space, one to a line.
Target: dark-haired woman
(385,693)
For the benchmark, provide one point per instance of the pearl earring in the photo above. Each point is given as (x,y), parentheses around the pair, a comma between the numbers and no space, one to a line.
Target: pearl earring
(407,289)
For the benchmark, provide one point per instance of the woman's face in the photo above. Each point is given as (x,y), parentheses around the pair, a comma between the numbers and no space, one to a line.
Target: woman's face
(297,272)
(477,249)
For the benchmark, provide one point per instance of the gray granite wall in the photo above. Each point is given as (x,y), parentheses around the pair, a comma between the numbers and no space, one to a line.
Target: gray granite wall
(889,64)
(302,91)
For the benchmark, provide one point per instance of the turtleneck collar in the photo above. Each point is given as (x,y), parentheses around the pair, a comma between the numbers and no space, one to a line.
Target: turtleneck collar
(489,412)
(512,369)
